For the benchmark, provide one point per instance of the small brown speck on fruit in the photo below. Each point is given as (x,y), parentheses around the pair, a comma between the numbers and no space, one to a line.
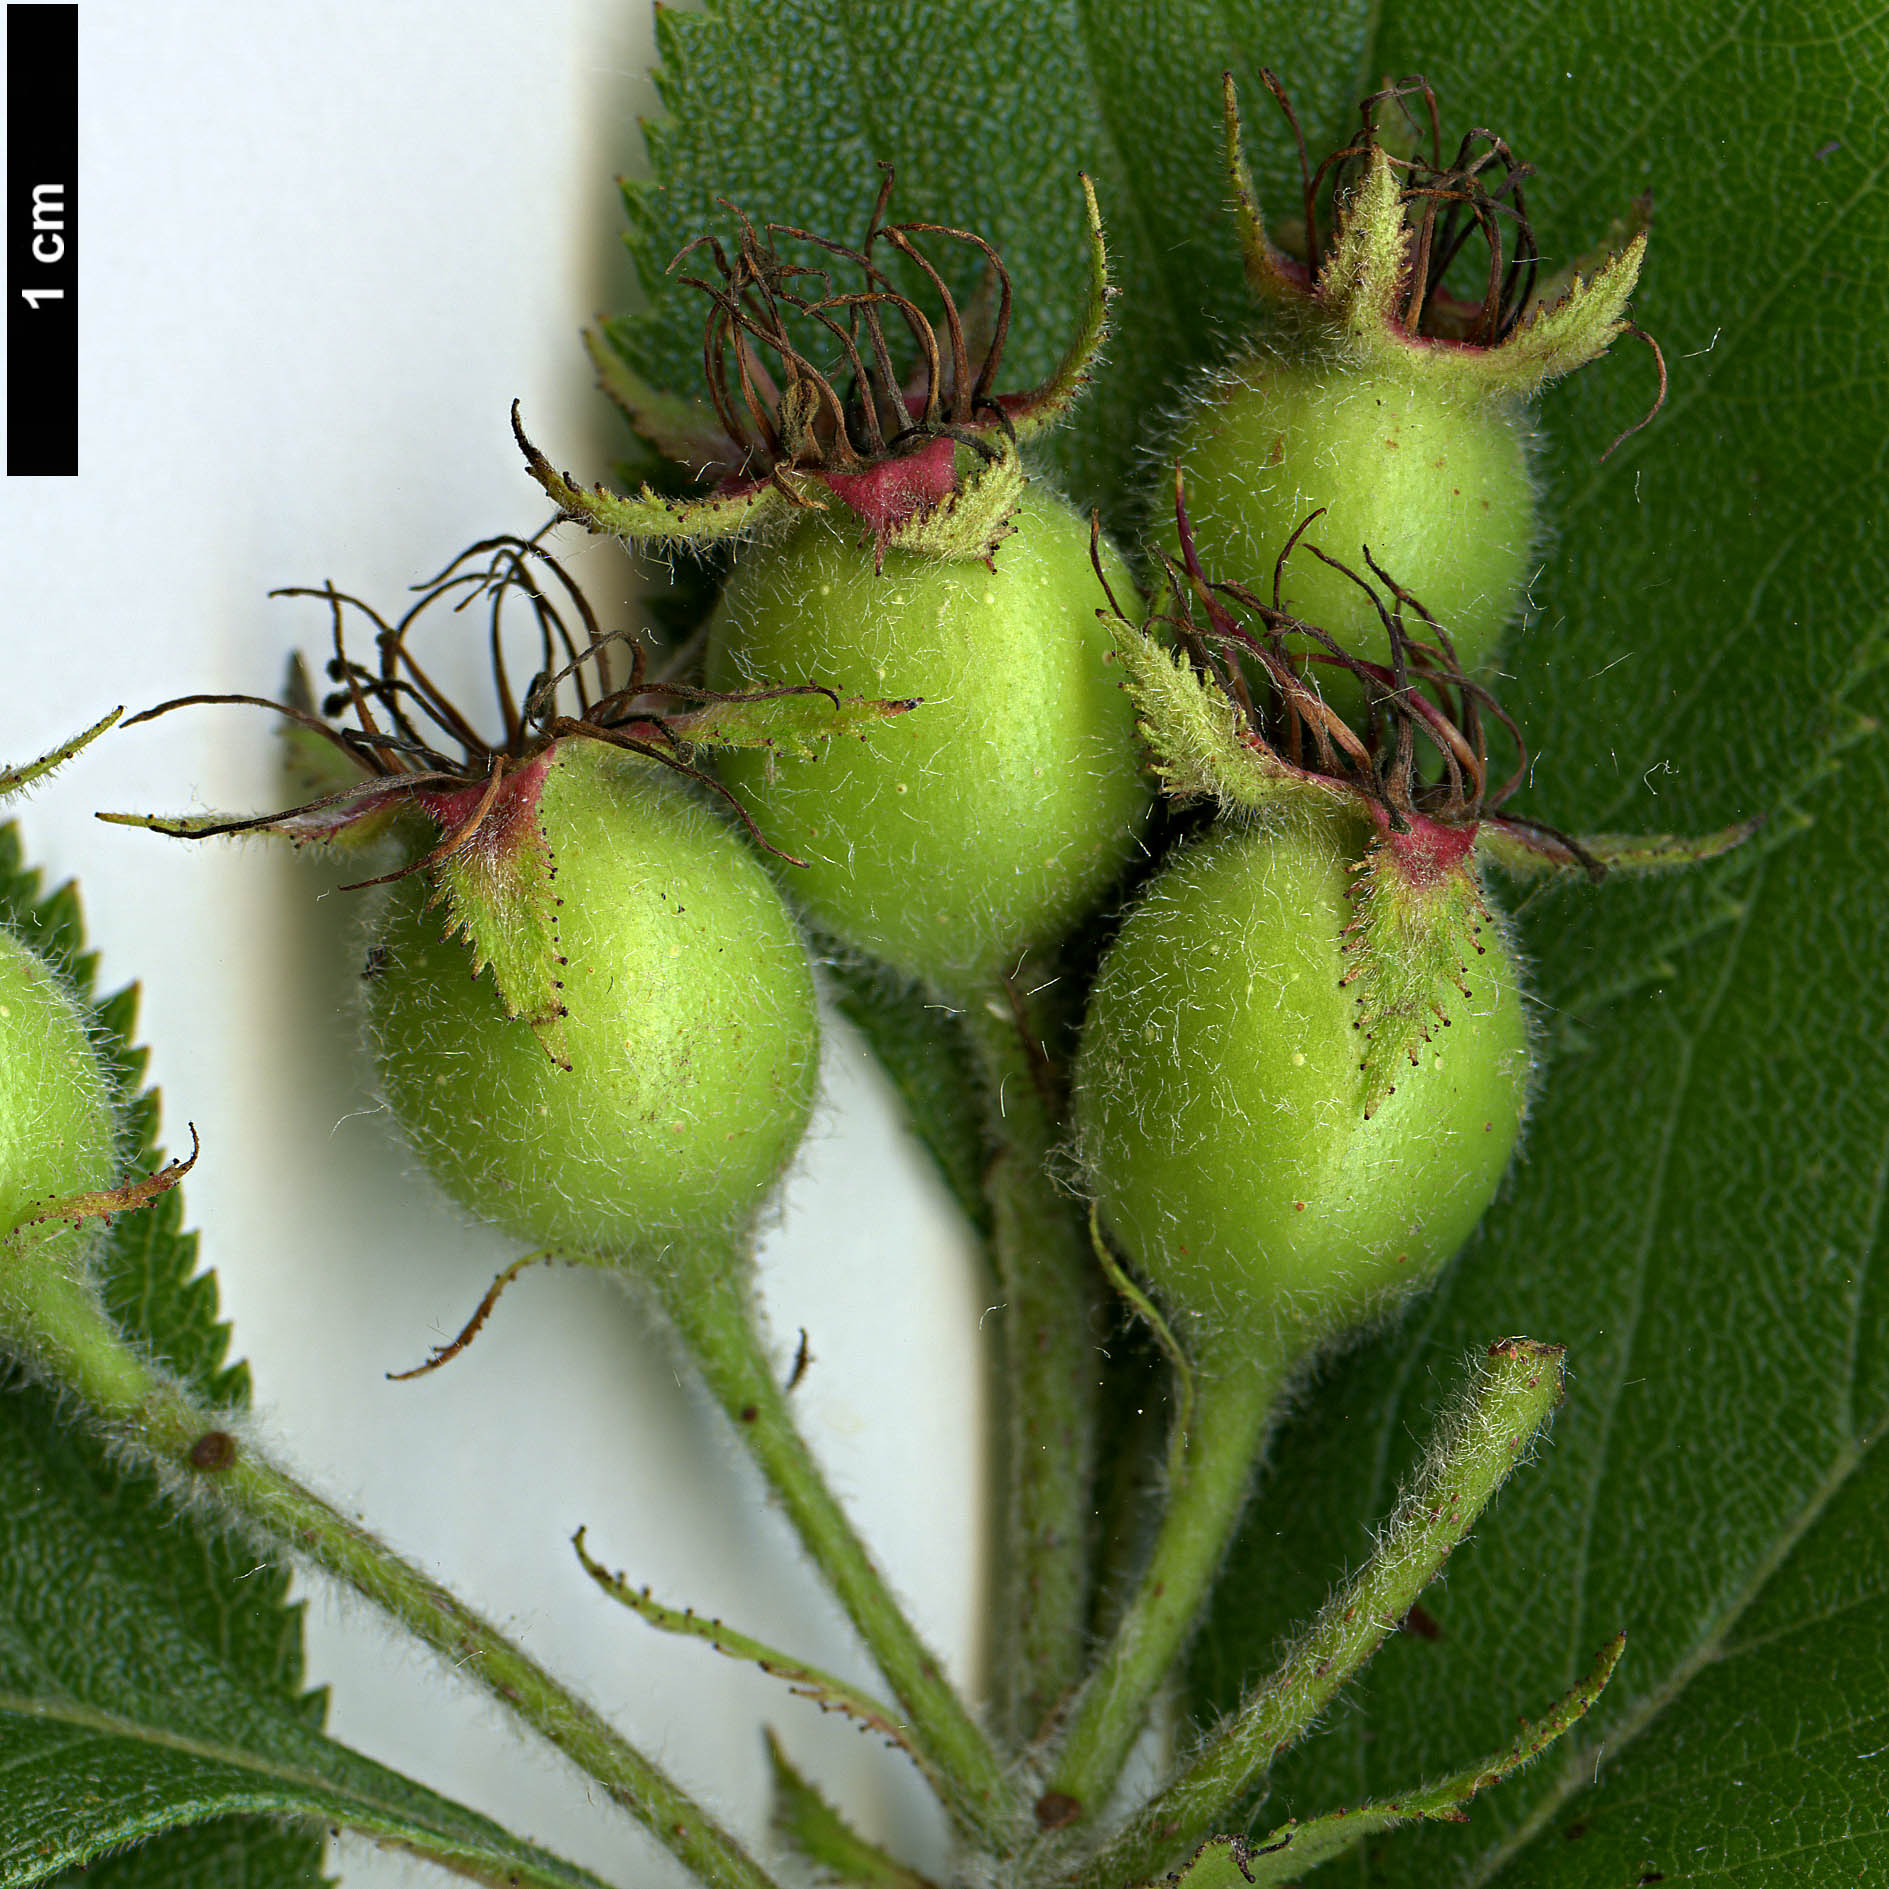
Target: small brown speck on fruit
(1056,1810)
(214,1450)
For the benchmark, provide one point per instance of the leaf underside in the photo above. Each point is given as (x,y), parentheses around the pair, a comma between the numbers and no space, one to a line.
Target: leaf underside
(1699,1205)
(151,1665)
(921,1047)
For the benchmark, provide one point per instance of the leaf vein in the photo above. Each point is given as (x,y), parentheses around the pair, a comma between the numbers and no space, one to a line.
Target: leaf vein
(1579,1767)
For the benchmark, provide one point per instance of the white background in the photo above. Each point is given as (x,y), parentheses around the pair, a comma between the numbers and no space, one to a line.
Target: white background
(323,247)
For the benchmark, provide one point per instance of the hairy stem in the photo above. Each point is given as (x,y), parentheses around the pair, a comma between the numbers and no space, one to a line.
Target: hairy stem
(1234,1398)
(1519,1385)
(61,1328)
(706,1292)
(1051,1293)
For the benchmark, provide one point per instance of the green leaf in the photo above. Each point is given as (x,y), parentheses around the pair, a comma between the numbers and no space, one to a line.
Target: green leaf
(1699,1207)
(1700,1203)
(232,1853)
(921,1047)
(150,1663)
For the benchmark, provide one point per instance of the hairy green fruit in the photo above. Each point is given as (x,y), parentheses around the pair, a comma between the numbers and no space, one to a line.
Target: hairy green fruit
(1434,483)
(996,813)
(689,1028)
(1222,1103)
(56,1118)
(1390,392)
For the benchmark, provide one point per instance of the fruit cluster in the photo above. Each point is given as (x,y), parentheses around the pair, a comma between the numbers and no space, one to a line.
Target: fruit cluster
(1237,827)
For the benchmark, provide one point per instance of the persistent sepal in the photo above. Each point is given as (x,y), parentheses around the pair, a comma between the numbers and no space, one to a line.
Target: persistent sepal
(969,520)
(1527,850)
(491,869)
(799,723)
(469,823)
(911,435)
(1373,282)
(1200,742)
(13,779)
(1360,282)
(650,518)
(494,875)
(348,821)
(1271,274)
(1036,412)
(1411,948)
(1554,338)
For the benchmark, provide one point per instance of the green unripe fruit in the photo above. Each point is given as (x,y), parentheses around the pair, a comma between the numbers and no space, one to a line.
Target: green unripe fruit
(1433,480)
(691,1032)
(1404,344)
(992,817)
(1219,1098)
(56,1118)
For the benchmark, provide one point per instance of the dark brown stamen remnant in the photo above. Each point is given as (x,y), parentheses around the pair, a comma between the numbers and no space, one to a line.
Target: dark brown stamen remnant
(1421,752)
(412,745)
(806,375)
(1475,195)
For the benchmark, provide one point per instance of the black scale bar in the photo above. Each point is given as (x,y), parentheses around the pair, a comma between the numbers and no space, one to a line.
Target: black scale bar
(42,217)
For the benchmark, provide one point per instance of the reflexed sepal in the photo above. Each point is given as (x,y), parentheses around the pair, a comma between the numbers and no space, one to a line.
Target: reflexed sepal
(494,874)
(799,722)
(1199,738)
(1417,930)
(12,779)
(348,821)
(1520,848)
(969,519)
(1294,1848)
(1556,337)
(648,518)
(1049,404)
